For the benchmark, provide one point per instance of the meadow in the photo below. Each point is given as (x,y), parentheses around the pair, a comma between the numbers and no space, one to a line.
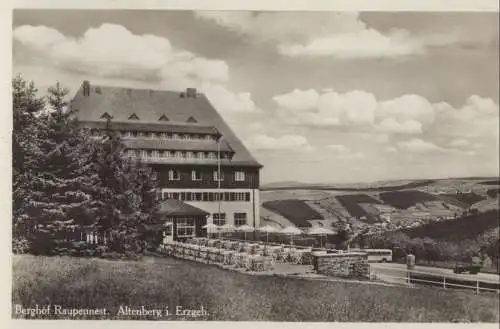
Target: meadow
(158,282)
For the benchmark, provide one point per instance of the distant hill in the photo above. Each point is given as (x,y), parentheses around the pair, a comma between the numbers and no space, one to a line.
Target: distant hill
(352,189)
(386,206)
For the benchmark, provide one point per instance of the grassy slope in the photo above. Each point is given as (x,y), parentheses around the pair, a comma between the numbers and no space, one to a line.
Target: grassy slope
(232,296)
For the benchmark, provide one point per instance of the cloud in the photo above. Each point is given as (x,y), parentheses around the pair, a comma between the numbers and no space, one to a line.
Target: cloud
(329,108)
(337,34)
(478,117)
(390,149)
(298,100)
(351,156)
(227,101)
(418,146)
(285,142)
(344,153)
(339,148)
(358,111)
(112,51)
(459,143)
(391,125)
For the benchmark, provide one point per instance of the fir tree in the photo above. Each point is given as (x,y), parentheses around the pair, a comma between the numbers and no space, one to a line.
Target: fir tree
(66,181)
(26,106)
(129,194)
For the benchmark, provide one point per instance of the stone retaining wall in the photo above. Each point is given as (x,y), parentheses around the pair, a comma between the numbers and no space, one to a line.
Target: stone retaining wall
(346,265)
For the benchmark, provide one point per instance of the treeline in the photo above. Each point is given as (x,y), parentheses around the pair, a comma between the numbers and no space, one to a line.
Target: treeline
(65,181)
(484,247)
(469,225)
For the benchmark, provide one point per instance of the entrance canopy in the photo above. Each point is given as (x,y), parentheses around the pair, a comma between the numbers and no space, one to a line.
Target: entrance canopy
(172,207)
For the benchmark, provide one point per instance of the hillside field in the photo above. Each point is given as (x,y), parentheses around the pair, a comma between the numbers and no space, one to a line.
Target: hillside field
(157,282)
(297,211)
(408,203)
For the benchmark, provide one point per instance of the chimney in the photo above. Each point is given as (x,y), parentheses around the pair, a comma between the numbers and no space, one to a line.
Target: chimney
(86,88)
(191,93)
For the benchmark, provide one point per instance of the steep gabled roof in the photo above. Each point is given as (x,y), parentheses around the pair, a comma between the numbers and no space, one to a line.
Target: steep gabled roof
(149,105)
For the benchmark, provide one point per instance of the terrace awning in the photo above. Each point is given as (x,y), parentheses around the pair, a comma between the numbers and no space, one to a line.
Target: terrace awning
(172,207)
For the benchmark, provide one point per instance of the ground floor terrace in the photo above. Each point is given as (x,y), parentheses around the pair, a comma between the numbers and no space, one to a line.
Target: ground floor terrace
(261,258)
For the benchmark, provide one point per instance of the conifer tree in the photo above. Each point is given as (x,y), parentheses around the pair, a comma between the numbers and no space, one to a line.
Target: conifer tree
(66,181)
(129,194)
(26,106)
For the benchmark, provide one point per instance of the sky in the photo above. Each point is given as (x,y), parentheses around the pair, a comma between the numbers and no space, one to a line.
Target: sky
(317,97)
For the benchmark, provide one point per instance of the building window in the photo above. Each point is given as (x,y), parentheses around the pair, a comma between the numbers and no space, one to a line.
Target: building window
(178,154)
(185,227)
(134,134)
(149,153)
(240,218)
(173,175)
(216,176)
(219,218)
(239,176)
(155,154)
(175,136)
(190,155)
(131,153)
(187,137)
(242,196)
(200,155)
(195,175)
(212,156)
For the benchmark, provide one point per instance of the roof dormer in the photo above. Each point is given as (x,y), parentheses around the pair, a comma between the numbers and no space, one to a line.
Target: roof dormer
(106,116)
(191,120)
(133,117)
(163,118)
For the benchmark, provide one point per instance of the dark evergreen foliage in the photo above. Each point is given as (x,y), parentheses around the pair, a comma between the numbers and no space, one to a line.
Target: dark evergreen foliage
(67,183)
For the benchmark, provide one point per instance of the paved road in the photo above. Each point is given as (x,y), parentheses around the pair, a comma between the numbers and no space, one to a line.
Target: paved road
(387,272)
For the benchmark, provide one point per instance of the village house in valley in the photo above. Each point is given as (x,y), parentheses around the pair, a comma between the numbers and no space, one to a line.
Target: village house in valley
(205,172)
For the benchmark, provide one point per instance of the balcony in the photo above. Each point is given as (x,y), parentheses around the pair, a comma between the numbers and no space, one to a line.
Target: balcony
(179,160)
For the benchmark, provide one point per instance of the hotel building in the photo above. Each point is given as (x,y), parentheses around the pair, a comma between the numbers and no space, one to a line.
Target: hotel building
(199,160)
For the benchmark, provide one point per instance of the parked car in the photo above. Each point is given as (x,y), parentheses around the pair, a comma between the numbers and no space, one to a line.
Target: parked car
(470,268)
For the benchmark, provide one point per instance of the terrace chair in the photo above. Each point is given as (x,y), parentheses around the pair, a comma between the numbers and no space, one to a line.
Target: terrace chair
(228,257)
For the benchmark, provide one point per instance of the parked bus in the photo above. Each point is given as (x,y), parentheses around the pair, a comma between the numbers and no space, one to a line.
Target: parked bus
(377,255)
